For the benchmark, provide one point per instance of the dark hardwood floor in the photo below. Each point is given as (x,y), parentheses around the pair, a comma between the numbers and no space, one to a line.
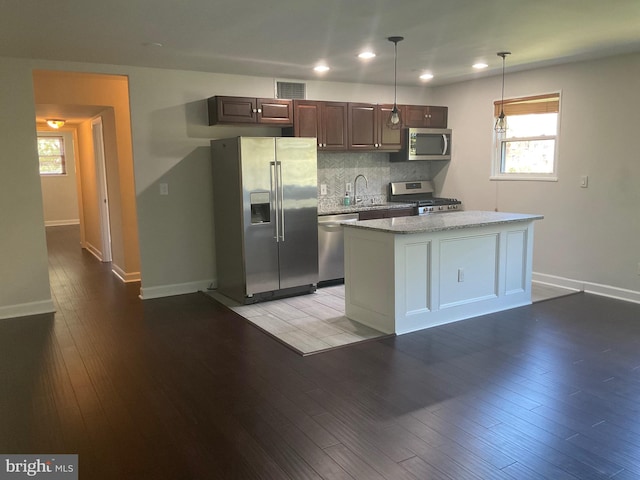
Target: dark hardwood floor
(182,388)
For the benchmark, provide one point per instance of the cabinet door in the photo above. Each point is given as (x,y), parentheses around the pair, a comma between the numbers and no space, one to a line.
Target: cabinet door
(306,119)
(401,212)
(362,126)
(334,125)
(388,139)
(274,111)
(415,116)
(422,116)
(232,110)
(373,214)
(437,117)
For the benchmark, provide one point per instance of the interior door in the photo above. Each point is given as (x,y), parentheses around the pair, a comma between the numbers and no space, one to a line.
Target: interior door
(101,182)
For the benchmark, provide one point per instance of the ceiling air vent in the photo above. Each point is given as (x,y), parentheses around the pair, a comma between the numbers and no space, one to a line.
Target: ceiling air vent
(294,90)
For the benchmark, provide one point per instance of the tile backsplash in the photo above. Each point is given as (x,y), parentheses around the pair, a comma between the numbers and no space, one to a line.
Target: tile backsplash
(335,170)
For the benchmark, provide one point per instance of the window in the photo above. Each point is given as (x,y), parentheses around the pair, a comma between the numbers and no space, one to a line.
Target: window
(51,153)
(527,150)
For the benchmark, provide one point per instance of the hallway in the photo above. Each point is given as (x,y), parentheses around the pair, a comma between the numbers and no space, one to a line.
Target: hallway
(183,388)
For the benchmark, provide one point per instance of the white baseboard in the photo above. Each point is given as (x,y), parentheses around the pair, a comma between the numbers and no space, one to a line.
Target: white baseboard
(124,276)
(147,293)
(93,250)
(587,287)
(26,309)
(612,292)
(61,223)
(557,281)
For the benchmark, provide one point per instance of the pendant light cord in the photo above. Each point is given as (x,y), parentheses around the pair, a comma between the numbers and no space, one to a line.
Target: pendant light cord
(502,101)
(395,76)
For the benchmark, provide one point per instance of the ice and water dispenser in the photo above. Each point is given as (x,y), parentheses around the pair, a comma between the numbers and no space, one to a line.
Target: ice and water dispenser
(260,207)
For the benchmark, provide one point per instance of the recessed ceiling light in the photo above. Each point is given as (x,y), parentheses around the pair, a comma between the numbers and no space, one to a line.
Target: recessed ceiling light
(426,76)
(479,65)
(366,55)
(152,44)
(321,68)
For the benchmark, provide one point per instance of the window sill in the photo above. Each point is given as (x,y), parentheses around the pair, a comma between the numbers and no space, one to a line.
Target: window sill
(519,178)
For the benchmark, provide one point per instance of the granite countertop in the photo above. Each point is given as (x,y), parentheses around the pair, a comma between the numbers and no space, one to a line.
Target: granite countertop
(361,207)
(441,221)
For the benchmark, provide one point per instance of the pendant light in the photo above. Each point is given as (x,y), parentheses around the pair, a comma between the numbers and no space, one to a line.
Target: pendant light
(501,123)
(394,121)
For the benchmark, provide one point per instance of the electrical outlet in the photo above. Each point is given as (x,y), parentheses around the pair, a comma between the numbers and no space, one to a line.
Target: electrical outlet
(323,189)
(164,189)
(348,187)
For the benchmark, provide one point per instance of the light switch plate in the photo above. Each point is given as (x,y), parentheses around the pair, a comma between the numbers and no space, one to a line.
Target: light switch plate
(584,181)
(164,189)
(323,189)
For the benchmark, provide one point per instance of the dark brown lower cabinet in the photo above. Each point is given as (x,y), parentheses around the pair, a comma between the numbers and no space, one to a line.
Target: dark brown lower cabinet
(386,213)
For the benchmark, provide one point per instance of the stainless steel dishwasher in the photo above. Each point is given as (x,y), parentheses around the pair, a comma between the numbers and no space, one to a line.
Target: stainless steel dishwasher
(331,245)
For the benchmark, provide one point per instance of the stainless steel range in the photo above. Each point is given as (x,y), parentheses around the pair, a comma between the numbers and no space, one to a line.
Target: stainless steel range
(420,193)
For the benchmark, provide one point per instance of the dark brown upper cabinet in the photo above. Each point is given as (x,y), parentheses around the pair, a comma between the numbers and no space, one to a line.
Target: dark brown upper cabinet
(368,129)
(421,116)
(327,121)
(248,110)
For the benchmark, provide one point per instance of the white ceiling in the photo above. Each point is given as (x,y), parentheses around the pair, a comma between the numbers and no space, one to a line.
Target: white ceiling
(284,39)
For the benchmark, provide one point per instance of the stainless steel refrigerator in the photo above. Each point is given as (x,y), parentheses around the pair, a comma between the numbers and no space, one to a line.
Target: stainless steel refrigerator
(265,216)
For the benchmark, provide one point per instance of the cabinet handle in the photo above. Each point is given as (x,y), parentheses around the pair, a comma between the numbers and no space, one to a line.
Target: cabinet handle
(259,110)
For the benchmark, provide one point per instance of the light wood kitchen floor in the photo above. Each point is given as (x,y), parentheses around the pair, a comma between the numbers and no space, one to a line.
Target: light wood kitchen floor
(309,323)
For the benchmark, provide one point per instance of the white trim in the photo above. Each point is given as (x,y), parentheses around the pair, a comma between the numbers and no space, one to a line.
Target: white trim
(103,188)
(612,292)
(124,276)
(521,177)
(588,287)
(26,309)
(61,223)
(93,251)
(175,289)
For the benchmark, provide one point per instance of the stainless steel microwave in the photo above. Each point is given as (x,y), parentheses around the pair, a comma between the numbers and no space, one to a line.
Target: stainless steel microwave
(424,144)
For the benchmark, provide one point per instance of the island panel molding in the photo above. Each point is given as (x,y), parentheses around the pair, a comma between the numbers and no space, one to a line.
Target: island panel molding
(468,269)
(409,273)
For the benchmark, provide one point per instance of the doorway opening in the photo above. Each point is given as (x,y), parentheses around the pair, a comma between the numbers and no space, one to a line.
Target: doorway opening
(95,108)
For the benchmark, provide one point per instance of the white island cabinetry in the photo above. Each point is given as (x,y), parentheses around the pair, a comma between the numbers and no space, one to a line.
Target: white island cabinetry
(409,273)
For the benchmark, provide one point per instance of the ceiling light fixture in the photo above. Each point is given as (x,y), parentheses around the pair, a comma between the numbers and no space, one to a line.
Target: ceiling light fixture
(479,65)
(321,68)
(501,123)
(394,121)
(55,123)
(426,76)
(366,55)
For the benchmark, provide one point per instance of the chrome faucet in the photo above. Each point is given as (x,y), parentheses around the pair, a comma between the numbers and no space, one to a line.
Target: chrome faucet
(355,187)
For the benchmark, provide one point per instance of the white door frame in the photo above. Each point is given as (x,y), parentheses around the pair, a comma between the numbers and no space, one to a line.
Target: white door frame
(101,181)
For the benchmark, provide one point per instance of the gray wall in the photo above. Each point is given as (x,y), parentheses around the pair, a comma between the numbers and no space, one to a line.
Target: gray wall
(589,235)
(24,276)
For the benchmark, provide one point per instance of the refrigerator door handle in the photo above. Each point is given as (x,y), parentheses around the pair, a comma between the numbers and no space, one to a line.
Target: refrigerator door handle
(274,189)
(281,199)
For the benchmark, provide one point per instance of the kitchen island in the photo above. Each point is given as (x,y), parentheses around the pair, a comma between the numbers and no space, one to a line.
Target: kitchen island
(408,273)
